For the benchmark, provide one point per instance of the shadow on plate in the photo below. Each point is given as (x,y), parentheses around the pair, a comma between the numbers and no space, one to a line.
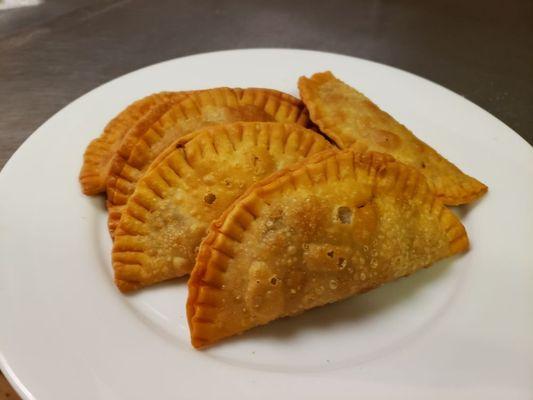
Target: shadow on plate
(160,286)
(463,210)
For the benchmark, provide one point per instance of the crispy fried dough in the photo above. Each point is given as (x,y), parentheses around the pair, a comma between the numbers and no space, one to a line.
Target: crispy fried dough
(98,155)
(148,139)
(190,185)
(347,116)
(337,224)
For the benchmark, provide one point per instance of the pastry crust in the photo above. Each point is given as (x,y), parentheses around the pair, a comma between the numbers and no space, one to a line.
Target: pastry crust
(190,184)
(97,156)
(337,224)
(198,109)
(347,116)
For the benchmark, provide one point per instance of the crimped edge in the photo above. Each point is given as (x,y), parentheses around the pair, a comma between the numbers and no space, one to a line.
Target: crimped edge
(120,187)
(219,233)
(134,256)
(462,191)
(98,154)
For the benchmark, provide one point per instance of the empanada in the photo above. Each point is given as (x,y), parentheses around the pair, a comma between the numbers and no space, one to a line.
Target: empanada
(191,184)
(347,116)
(337,224)
(97,156)
(196,110)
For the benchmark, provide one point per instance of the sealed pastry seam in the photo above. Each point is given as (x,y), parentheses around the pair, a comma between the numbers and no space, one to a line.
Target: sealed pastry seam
(180,186)
(97,157)
(144,142)
(218,248)
(348,117)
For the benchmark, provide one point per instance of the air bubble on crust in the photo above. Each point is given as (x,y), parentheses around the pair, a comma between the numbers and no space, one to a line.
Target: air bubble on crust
(210,198)
(344,215)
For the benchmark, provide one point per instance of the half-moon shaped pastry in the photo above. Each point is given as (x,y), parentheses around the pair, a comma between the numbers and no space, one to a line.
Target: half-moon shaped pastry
(347,116)
(190,185)
(97,157)
(337,224)
(198,109)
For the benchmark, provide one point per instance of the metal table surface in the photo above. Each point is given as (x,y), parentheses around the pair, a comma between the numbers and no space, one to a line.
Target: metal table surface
(52,53)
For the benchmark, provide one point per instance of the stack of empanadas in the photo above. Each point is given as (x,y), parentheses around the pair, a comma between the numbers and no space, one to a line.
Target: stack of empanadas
(270,216)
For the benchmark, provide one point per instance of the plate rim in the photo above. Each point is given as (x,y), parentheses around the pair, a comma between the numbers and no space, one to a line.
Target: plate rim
(11,163)
(254,49)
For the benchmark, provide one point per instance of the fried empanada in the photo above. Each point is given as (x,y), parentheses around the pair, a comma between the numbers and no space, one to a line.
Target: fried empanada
(337,224)
(97,156)
(196,110)
(192,183)
(347,116)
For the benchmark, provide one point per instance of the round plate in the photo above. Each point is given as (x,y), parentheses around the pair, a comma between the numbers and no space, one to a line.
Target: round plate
(461,329)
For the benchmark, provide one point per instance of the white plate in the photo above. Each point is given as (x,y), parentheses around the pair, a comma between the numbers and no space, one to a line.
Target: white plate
(462,329)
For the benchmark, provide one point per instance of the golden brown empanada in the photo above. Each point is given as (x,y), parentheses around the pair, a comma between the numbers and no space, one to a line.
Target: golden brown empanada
(337,224)
(347,116)
(196,110)
(191,184)
(97,157)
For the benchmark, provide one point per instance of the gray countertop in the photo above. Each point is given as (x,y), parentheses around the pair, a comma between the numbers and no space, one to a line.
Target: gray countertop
(52,53)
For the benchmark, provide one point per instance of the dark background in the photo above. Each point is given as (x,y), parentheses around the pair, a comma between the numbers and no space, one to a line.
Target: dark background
(53,53)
